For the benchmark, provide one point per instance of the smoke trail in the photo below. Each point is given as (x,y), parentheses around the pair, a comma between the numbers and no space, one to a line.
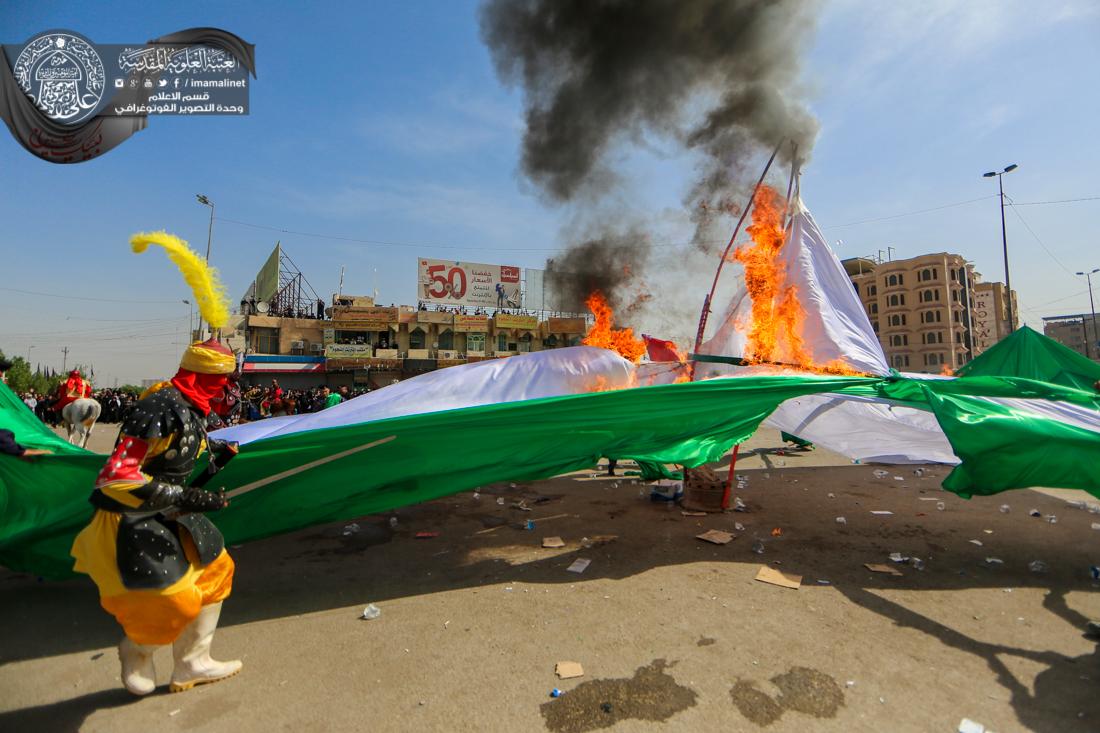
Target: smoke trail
(715,76)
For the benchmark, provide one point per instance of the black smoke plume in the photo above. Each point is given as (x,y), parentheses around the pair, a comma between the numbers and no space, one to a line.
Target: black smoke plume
(716,76)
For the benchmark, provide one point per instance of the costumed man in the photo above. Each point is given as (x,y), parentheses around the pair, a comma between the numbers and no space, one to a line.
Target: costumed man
(160,564)
(72,390)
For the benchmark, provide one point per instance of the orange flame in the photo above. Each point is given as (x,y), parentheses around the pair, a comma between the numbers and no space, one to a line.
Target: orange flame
(603,335)
(777,312)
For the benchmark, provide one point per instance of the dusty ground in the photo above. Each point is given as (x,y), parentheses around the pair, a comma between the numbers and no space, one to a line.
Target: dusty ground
(673,633)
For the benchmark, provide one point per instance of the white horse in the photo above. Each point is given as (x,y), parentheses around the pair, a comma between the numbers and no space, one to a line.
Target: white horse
(79,416)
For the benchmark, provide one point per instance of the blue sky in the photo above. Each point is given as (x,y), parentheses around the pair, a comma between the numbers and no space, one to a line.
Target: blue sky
(386,122)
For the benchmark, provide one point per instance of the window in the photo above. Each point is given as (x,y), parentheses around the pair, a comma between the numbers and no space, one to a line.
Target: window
(898,319)
(958,319)
(417,337)
(932,337)
(447,340)
(525,343)
(475,342)
(927,296)
(265,340)
(872,290)
(893,280)
(955,296)
(897,299)
(874,326)
(929,273)
(899,340)
(901,360)
(930,317)
(873,309)
(502,342)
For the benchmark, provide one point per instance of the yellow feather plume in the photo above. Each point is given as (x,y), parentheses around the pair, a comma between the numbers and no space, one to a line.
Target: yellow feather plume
(209,292)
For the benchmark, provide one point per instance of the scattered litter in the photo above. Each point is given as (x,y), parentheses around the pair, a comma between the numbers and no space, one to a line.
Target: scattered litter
(898,478)
(521,505)
(994,561)
(738,505)
(350,529)
(1037,566)
(556,692)
(1094,508)
(832,496)
(881,512)
(822,581)
(500,501)
(1005,508)
(715,536)
(371,612)
(940,506)
(1096,525)
(850,683)
(393,522)
(877,567)
(928,498)
(600,539)
(758,547)
(976,542)
(966,725)
(777,531)
(174,712)
(530,524)
(1052,519)
(552,542)
(841,520)
(772,576)
(606,707)
(741,528)
(568,670)
(879,473)
(1094,571)
(918,471)
(511,486)
(917,563)
(425,535)
(1077,504)
(686,513)
(1035,513)
(898,557)
(477,496)
(988,531)
(579,565)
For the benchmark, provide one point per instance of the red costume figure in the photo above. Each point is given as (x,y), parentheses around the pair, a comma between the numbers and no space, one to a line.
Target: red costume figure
(73,389)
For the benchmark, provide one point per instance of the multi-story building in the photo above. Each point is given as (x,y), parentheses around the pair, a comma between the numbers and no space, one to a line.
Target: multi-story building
(360,343)
(991,315)
(1079,332)
(921,308)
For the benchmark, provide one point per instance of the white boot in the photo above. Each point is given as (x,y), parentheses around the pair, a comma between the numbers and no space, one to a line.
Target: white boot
(192,653)
(138,674)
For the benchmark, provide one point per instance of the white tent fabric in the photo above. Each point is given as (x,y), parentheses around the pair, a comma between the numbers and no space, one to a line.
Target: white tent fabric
(835,326)
(571,370)
(867,429)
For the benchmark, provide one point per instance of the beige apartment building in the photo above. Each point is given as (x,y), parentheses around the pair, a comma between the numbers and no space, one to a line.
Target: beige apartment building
(991,315)
(922,309)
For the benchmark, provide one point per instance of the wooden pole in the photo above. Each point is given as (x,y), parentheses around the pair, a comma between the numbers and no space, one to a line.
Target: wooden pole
(736,230)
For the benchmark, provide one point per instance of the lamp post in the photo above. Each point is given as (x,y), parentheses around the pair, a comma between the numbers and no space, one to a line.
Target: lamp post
(29,356)
(190,321)
(1092,307)
(209,234)
(1004,238)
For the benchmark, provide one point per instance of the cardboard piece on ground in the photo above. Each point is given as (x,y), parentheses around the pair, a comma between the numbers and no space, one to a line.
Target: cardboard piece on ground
(877,567)
(775,577)
(552,542)
(603,539)
(715,536)
(568,670)
(686,513)
(579,565)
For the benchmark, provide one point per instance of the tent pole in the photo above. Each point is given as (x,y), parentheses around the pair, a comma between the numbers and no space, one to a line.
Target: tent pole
(722,261)
(729,478)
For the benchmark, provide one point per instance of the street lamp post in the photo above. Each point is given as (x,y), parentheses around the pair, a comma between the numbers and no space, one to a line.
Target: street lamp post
(209,233)
(190,321)
(1092,308)
(1004,238)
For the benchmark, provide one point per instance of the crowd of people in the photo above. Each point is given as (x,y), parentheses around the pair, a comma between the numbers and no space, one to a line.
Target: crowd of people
(274,401)
(114,405)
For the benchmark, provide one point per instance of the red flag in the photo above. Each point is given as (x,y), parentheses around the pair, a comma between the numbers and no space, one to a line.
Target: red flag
(661,350)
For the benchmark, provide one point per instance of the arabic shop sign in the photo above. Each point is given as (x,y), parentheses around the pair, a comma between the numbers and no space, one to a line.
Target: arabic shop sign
(62,90)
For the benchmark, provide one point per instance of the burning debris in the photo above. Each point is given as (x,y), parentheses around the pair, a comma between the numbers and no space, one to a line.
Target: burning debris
(602,333)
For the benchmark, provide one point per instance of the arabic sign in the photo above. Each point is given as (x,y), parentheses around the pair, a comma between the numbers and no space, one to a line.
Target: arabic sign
(566,325)
(507,320)
(471,324)
(67,100)
(468,283)
(434,317)
(348,351)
